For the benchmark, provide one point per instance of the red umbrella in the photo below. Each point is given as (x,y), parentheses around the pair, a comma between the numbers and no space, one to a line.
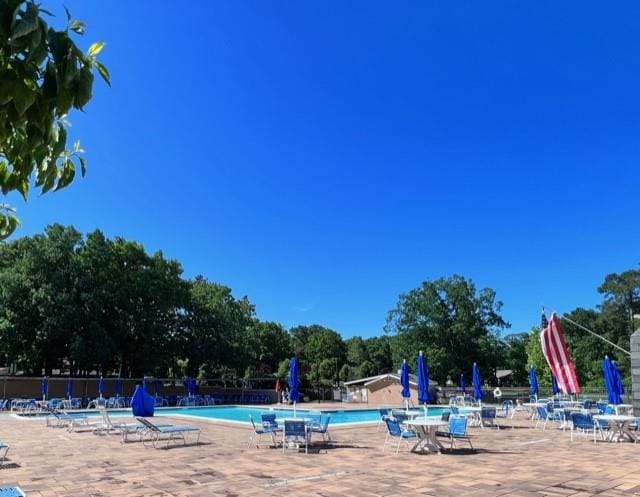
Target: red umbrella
(278,386)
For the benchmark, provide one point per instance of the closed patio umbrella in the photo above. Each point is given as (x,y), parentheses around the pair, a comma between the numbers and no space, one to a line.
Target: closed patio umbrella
(44,387)
(533,382)
(461,383)
(555,389)
(618,378)
(294,393)
(404,381)
(477,383)
(423,379)
(610,382)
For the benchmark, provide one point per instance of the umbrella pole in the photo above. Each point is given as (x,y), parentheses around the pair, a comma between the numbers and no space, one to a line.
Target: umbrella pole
(294,408)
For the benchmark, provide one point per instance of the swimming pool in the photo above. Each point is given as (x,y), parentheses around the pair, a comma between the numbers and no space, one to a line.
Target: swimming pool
(240,414)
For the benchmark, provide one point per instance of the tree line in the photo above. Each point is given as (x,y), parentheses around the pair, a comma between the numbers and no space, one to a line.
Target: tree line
(92,305)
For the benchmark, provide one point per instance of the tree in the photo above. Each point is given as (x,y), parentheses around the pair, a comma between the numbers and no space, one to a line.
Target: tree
(379,352)
(514,356)
(453,323)
(43,75)
(357,351)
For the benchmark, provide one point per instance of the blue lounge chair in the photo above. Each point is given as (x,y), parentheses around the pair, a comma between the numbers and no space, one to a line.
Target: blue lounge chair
(395,430)
(155,432)
(269,421)
(295,432)
(545,415)
(256,433)
(383,412)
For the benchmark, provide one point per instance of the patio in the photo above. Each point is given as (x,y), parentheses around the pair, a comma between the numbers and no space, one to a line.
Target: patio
(522,462)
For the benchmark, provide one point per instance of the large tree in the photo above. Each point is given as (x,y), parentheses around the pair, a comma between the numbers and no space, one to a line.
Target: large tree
(452,322)
(43,76)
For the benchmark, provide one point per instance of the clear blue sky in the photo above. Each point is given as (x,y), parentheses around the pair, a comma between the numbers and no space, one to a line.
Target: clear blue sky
(324,157)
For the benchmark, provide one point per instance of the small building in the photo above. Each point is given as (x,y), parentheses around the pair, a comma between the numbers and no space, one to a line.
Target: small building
(385,389)
(504,377)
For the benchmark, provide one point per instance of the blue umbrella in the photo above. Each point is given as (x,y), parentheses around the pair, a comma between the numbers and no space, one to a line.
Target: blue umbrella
(555,389)
(404,381)
(423,379)
(101,386)
(461,383)
(44,387)
(118,387)
(69,387)
(618,378)
(477,383)
(533,382)
(610,381)
(294,393)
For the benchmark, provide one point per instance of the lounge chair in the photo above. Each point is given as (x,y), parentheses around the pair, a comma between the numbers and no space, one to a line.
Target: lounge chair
(383,412)
(125,429)
(4,448)
(395,430)
(457,431)
(11,492)
(61,419)
(295,432)
(545,415)
(269,422)
(256,433)
(155,432)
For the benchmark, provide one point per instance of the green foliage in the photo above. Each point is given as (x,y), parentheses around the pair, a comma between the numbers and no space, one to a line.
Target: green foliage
(452,322)
(43,75)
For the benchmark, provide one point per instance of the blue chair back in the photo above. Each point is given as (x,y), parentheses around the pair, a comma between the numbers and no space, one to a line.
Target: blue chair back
(601,406)
(542,412)
(488,413)
(608,409)
(393,426)
(294,428)
(269,420)
(384,412)
(458,426)
(587,403)
(582,421)
(454,409)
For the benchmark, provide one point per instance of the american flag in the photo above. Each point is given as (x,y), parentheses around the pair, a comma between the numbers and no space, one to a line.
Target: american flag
(557,354)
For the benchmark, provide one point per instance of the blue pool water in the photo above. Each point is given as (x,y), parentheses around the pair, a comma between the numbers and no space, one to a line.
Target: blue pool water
(241,414)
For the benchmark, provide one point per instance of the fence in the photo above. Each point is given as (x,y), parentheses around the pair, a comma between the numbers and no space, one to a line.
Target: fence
(87,388)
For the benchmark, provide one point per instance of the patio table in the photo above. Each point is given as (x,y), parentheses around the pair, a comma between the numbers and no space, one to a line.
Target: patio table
(427,440)
(619,426)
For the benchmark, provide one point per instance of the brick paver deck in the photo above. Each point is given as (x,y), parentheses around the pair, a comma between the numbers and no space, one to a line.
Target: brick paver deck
(519,461)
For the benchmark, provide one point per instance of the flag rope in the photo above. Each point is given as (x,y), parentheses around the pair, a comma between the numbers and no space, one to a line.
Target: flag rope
(589,331)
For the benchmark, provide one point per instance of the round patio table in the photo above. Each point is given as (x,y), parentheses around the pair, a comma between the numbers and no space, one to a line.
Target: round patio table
(619,426)
(427,440)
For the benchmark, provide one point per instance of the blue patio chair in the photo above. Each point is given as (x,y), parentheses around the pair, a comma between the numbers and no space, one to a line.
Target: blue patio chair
(455,410)
(269,421)
(584,423)
(256,433)
(383,412)
(395,430)
(601,406)
(295,432)
(457,431)
(587,404)
(322,428)
(546,416)
(488,417)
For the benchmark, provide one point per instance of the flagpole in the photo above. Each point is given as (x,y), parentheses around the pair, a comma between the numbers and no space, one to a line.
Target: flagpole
(589,331)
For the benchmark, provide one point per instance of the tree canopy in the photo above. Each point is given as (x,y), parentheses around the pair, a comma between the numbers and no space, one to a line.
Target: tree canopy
(43,76)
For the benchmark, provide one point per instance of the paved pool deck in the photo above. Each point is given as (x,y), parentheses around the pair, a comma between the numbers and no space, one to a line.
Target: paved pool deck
(516,460)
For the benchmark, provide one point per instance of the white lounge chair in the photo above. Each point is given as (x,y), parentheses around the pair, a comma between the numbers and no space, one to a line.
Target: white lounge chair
(154,433)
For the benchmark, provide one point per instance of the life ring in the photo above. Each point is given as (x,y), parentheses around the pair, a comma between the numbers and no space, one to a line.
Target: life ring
(497,393)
